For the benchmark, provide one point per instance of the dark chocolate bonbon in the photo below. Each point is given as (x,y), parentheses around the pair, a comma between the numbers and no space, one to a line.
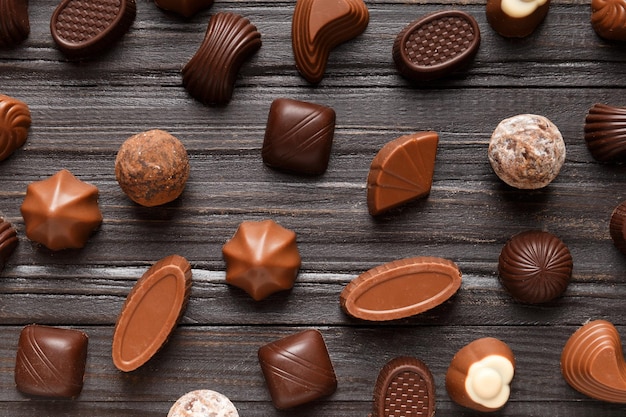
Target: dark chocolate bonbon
(15,120)
(605,132)
(516,18)
(186,8)
(14,22)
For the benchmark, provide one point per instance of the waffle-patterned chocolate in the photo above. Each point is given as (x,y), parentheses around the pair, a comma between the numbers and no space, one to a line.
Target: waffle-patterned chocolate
(605,132)
(14,22)
(436,45)
(14,124)
(84,29)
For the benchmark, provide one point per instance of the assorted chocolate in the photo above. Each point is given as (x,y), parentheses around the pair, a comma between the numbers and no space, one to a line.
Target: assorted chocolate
(262,258)
(186,8)
(85,29)
(516,18)
(298,137)
(61,212)
(480,375)
(210,74)
(203,403)
(318,26)
(617,227)
(526,151)
(592,362)
(14,22)
(15,121)
(535,266)
(50,361)
(605,133)
(152,168)
(404,387)
(401,171)
(401,288)
(608,19)
(8,241)
(151,312)
(297,369)
(436,45)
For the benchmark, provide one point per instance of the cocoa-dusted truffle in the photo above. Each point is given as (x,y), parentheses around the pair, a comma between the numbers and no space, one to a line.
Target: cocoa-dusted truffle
(152,167)
(516,18)
(526,151)
(535,266)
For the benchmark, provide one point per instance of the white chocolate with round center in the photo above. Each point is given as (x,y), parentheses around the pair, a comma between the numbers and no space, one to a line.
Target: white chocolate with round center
(488,380)
(521,8)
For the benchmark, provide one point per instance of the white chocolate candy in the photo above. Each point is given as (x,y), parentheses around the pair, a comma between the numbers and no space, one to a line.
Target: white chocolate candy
(203,403)
(488,380)
(521,8)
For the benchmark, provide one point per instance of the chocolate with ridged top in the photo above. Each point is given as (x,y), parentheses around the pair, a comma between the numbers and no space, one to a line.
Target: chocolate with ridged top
(608,19)
(229,41)
(15,121)
(516,18)
(14,22)
(8,241)
(297,369)
(61,211)
(51,361)
(592,362)
(186,8)
(318,26)
(617,227)
(404,387)
(605,132)
(436,45)
(535,266)
(298,137)
(83,29)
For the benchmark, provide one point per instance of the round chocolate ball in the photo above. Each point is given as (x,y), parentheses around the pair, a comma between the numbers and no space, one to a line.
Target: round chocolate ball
(535,267)
(526,151)
(152,168)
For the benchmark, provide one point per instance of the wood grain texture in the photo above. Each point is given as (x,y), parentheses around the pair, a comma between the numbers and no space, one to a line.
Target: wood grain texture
(82,112)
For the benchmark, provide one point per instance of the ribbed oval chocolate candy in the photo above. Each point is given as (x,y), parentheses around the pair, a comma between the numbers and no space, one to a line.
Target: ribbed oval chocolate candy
(605,132)
(401,288)
(83,29)
(436,45)
(14,22)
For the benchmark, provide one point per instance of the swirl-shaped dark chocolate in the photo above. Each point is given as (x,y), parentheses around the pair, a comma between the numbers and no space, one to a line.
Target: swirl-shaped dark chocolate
(605,132)
(14,23)
(608,19)
(14,123)
(210,74)
(535,267)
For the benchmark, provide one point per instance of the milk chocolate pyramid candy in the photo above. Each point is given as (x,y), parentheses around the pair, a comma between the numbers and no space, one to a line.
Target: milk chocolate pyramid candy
(14,23)
(516,18)
(436,45)
(186,8)
(298,137)
(262,258)
(51,361)
(297,369)
(14,124)
(85,28)
(535,266)
(592,362)
(480,374)
(605,133)
(318,26)
(8,241)
(608,19)
(210,74)
(151,312)
(401,288)
(61,211)
(405,387)
(401,171)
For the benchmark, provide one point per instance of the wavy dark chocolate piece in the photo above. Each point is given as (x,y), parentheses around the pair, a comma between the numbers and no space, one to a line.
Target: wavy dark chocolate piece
(8,241)
(605,133)
(298,137)
(318,26)
(186,8)
(592,362)
(83,29)
(210,74)
(14,124)
(14,23)
(436,45)
(535,266)
(404,387)
(608,19)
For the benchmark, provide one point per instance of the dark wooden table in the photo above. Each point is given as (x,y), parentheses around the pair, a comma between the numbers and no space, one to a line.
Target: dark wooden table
(83,112)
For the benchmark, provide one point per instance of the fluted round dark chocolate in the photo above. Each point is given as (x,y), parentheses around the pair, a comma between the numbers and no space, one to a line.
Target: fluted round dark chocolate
(8,241)
(617,227)
(605,132)
(14,22)
(608,19)
(535,267)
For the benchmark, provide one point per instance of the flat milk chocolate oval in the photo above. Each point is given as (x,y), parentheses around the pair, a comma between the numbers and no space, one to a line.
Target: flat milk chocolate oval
(401,288)
(152,310)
